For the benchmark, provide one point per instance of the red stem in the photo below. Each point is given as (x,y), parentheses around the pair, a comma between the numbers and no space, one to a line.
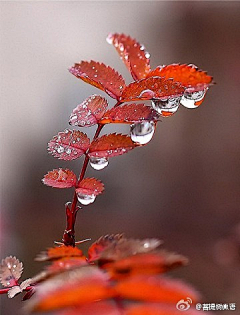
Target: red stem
(69,233)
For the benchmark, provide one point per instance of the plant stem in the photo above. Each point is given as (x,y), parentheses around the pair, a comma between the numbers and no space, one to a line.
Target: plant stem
(69,234)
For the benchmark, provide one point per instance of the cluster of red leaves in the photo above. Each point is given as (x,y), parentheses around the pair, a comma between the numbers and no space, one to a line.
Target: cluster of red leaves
(166,86)
(119,276)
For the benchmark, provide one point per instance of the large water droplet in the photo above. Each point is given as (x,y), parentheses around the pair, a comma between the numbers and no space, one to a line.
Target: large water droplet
(142,132)
(190,99)
(98,163)
(85,199)
(166,107)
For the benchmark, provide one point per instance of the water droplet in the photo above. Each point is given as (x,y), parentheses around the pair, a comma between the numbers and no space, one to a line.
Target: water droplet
(142,47)
(73,117)
(142,132)
(98,163)
(60,149)
(85,199)
(147,55)
(68,151)
(109,39)
(189,99)
(121,47)
(166,107)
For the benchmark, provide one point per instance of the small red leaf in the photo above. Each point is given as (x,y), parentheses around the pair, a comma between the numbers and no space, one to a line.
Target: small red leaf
(10,271)
(60,252)
(155,289)
(152,88)
(89,112)
(76,286)
(115,247)
(90,186)
(111,145)
(132,53)
(187,75)
(101,76)
(60,178)
(153,262)
(104,242)
(129,114)
(69,144)
(66,264)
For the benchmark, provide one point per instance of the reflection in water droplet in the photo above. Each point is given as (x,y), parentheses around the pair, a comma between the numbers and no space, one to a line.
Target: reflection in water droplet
(109,39)
(98,163)
(147,55)
(121,47)
(60,149)
(68,151)
(189,99)
(85,199)
(142,132)
(146,94)
(166,107)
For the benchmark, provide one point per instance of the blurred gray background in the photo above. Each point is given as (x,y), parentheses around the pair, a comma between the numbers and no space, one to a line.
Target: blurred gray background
(183,187)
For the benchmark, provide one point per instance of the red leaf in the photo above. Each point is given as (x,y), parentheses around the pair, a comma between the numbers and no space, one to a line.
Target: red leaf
(89,112)
(10,271)
(111,145)
(60,178)
(147,263)
(132,53)
(66,264)
(187,75)
(60,252)
(155,289)
(152,88)
(73,287)
(129,114)
(101,76)
(90,186)
(96,249)
(69,144)
(115,247)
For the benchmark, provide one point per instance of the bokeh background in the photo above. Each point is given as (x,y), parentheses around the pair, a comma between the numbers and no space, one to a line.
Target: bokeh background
(183,187)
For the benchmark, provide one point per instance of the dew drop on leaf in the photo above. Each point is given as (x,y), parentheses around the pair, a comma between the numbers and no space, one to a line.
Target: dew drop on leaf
(85,199)
(142,132)
(189,99)
(109,39)
(60,149)
(98,163)
(166,107)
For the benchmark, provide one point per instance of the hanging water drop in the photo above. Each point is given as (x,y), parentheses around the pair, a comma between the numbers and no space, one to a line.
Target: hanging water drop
(166,107)
(98,163)
(85,199)
(142,132)
(191,99)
